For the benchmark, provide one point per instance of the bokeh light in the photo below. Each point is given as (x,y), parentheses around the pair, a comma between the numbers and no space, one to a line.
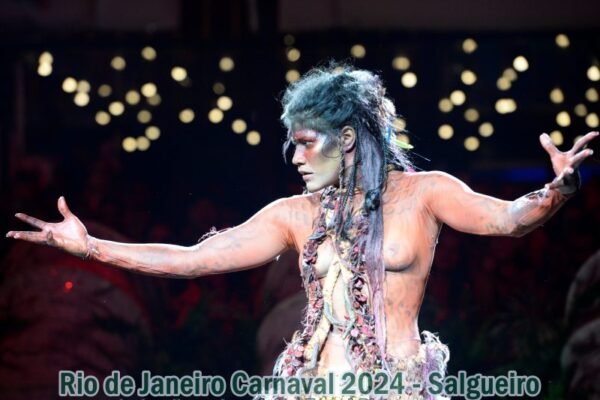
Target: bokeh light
(458,97)
(469,45)
(557,137)
(468,77)
(226,64)
(401,63)
(144,116)
(118,63)
(152,132)
(563,119)
(148,53)
(486,129)
(520,63)
(187,115)
(358,51)
(445,131)
(562,40)
(178,73)
(471,143)
(129,144)
(215,115)
(253,138)
(557,96)
(238,126)
(224,103)
(69,85)
(409,79)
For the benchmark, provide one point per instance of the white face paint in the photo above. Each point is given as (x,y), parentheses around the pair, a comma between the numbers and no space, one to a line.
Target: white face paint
(317,169)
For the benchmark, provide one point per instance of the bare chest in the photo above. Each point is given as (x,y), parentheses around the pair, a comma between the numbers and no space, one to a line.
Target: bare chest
(409,237)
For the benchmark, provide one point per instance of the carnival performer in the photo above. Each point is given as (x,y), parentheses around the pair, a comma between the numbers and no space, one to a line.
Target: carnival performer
(366,230)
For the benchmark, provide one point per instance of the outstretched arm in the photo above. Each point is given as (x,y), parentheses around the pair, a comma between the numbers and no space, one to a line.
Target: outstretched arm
(454,203)
(255,242)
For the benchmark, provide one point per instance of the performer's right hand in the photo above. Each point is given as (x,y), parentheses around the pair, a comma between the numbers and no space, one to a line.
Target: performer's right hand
(69,235)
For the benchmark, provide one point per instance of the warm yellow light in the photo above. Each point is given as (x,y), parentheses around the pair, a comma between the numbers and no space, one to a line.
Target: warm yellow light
(69,85)
(401,63)
(404,138)
(471,143)
(224,103)
(129,144)
(46,58)
(83,86)
(445,131)
(577,138)
(557,138)
(81,99)
(238,126)
(253,138)
(409,79)
(593,73)
(152,132)
(563,119)
(591,95)
(187,115)
(104,90)
(132,97)
(468,77)
(116,108)
(102,118)
(215,115)
(293,54)
(218,88)
(469,45)
(226,64)
(148,53)
(580,110)
(503,83)
(154,100)
(471,114)
(486,129)
(144,116)
(399,124)
(562,40)
(178,73)
(118,63)
(557,96)
(458,97)
(445,105)
(289,40)
(142,143)
(520,63)
(506,106)
(149,89)
(358,51)
(591,120)
(510,74)
(44,69)
(292,75)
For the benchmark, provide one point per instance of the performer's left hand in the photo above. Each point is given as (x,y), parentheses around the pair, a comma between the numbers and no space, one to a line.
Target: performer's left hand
(564,163)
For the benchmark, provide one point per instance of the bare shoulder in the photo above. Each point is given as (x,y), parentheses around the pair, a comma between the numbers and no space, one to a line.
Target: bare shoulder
(419,181)
(427,181)
(298,211)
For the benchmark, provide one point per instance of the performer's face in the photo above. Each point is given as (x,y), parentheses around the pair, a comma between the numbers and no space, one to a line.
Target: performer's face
(318,168)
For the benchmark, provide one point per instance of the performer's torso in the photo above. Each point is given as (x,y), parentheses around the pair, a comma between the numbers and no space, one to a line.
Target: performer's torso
(409,240)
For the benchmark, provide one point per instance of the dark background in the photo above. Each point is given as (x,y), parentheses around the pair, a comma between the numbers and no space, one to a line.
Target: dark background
(499,303)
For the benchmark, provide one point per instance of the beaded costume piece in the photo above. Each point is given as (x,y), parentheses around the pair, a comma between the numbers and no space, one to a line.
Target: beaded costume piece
(358,327)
